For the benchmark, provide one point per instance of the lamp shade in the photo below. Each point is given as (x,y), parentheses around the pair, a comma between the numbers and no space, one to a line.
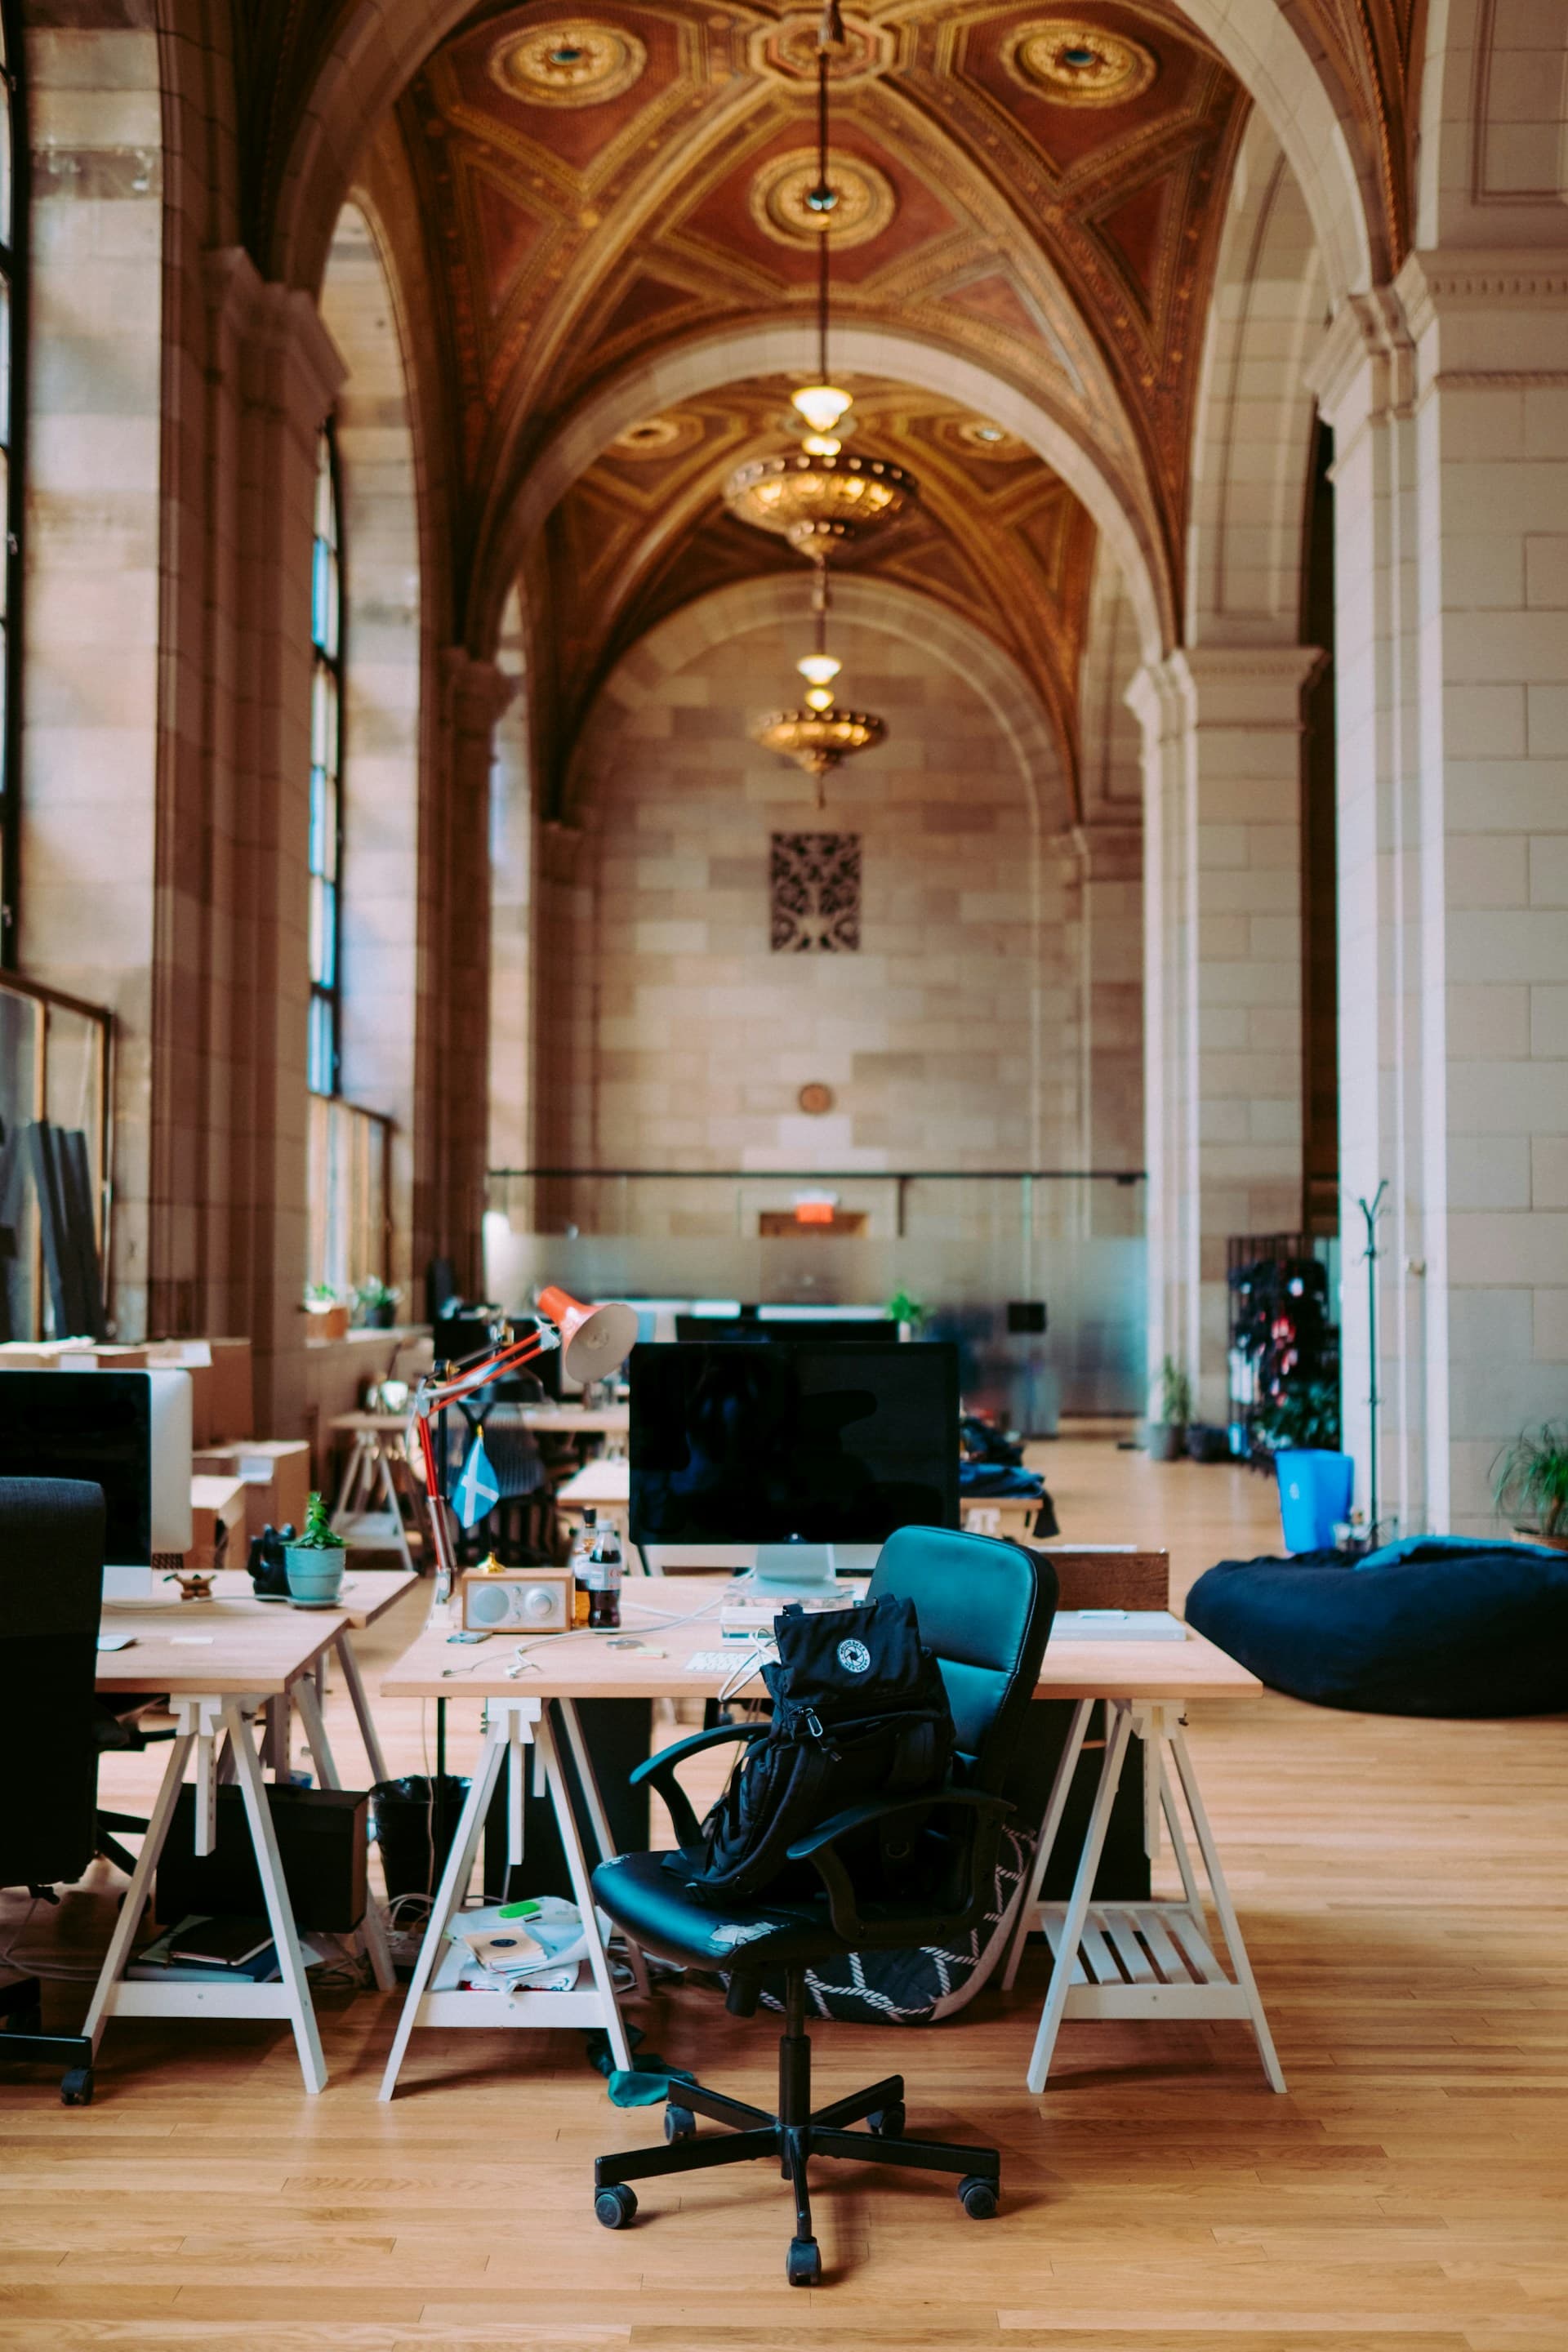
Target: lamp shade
(594,1340)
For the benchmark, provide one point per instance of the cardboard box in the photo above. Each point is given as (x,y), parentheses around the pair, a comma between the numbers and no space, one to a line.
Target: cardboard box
(275,1472)
(234,1395)
(1109,1576)
(221,1406)
(81,1355)
(217,1524)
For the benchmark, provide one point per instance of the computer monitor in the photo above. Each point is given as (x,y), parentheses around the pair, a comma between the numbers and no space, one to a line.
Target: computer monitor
(851,1331)
(129,1433)
(797,1459)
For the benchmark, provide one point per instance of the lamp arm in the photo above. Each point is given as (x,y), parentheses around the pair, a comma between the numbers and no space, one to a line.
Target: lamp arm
(431,1398)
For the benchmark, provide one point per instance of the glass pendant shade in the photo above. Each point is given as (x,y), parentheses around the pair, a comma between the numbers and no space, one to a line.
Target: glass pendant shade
(818,668)
(821,405)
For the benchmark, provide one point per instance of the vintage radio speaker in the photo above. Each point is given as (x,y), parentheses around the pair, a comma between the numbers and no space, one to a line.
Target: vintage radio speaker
(519,1600)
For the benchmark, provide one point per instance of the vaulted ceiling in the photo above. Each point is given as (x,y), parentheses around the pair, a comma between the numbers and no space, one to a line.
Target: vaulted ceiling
(997,537)
(1036,191)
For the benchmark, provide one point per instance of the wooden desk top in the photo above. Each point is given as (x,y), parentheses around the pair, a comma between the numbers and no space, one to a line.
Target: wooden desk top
(367,1593)
(584,1665)
(570,1420)
(598,1482)
(186,1646)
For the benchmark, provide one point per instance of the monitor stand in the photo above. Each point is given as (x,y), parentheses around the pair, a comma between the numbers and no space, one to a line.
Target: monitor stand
(797,1567)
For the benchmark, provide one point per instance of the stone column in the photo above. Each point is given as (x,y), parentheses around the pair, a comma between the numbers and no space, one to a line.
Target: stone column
(1222,981)
(1449,396)
(230,968)
(454,980)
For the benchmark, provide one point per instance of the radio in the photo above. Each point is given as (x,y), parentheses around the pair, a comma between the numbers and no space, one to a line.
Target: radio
(518,1599)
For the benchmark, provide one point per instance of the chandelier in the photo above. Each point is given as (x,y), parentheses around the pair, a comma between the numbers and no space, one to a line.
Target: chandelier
(818,738)
(816,503)
(815,498)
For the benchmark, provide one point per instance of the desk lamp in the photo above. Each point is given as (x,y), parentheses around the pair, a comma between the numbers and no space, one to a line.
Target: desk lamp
(594,1341)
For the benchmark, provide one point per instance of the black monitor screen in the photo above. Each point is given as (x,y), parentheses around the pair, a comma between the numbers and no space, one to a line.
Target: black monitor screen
(826,1444)
(832,1331)
(91,1425)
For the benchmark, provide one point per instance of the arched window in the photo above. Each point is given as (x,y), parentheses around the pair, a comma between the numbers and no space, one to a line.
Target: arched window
(12,305)
(326,771)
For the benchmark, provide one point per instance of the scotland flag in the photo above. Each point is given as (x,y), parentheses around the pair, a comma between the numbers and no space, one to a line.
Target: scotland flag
(477,1488)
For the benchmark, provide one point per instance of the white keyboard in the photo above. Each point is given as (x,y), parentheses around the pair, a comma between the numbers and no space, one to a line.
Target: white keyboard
(725,1660)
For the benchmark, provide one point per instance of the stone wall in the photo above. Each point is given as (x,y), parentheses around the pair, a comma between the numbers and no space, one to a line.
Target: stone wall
(951,1039)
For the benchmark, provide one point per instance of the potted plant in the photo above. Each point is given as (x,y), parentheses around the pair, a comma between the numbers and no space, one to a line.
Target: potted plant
(375,1303)
(331,1312)
(1529,1479)
(1167,1437)
(315,1559)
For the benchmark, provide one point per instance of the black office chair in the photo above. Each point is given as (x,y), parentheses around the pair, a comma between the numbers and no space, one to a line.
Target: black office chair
(51,1585)
(985,1609)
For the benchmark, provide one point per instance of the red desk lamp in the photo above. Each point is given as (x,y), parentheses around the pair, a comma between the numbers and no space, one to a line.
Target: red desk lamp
(593,1340)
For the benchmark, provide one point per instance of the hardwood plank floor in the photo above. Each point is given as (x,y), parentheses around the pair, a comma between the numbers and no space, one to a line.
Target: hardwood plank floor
(1403,1890)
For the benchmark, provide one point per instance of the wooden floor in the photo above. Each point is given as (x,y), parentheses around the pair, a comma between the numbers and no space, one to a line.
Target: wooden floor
(1404,1890)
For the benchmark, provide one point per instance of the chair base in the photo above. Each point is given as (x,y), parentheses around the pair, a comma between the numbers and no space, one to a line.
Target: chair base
(791,2136)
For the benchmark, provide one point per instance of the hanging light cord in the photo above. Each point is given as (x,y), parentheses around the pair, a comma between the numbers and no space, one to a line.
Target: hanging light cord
(829,36)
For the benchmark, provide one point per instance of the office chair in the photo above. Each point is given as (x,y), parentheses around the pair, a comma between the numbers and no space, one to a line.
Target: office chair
(985,1609)
(51,1584)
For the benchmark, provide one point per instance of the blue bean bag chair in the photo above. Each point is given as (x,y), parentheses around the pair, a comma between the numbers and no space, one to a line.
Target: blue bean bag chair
(1436,1626)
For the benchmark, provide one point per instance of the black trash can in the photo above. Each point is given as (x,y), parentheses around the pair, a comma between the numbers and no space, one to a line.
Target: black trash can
(414,1825)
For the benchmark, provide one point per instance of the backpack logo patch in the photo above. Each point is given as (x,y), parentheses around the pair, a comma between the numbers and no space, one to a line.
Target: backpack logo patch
(854,1657)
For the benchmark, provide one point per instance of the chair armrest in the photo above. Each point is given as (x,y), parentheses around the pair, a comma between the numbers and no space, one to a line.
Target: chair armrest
(820,1849)
(660,1770)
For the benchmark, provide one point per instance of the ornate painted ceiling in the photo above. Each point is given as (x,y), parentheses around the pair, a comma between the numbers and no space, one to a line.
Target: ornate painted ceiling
(1038,192)
(996,537)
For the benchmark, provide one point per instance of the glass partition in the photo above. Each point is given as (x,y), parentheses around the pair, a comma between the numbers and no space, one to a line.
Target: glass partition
(55,1072)
(968,1248)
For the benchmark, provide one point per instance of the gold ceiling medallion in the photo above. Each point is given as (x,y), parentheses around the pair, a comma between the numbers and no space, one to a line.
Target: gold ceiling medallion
(1078,65)
(864,201)
(657,436)
(575,63)
(787,51)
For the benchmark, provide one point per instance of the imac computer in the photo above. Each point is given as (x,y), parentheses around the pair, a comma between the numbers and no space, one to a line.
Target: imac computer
(129,1433)
(848,1331)
(795,1459)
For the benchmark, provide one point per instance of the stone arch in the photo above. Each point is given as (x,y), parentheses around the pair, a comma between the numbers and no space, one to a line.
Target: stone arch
(382,44)
(1015,919)
(1252,432)
(707,363)
(872,604)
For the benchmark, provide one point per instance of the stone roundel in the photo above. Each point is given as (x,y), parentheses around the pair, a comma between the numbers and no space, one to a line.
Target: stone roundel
(1078,65)
(659,437)
(578,62)
(865,208)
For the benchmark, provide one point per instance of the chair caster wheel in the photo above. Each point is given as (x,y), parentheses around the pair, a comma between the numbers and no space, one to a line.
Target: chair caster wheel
(679,2123)
(978,2197)
(75,2088)
(803,2263)
(888,2123)
(615,2208)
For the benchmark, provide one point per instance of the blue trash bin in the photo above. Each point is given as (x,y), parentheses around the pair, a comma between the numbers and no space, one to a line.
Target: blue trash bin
(1315,1490)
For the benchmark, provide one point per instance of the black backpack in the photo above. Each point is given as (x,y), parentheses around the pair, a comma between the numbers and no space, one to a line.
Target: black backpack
(859,1711)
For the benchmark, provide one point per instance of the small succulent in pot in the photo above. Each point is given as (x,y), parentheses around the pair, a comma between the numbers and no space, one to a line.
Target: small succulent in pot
(315,1559)
(376,1303)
